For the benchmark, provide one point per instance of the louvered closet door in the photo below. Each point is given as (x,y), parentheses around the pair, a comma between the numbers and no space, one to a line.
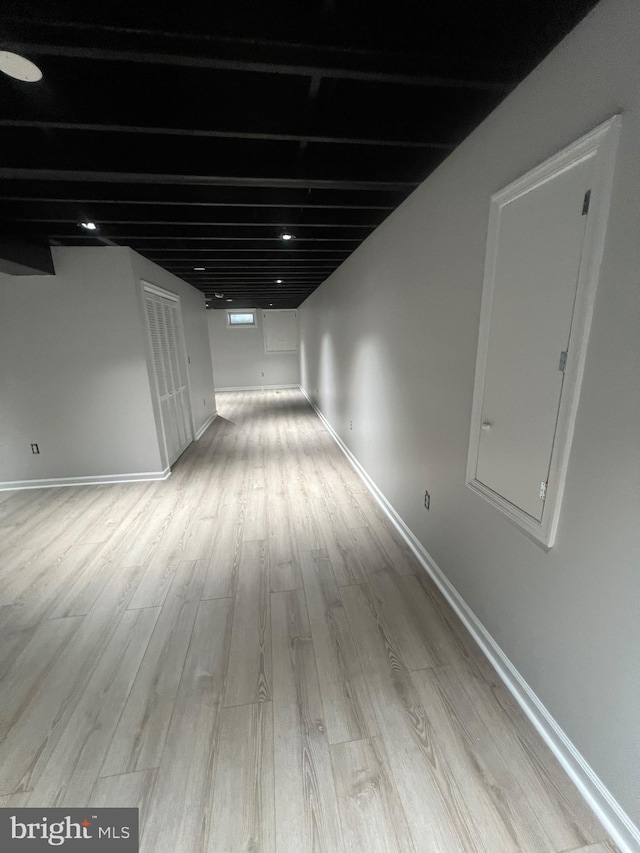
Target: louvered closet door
(162,320)
(178,372)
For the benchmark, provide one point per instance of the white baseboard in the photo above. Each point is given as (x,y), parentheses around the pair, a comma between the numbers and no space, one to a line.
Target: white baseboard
(205,426)
(95,480)
(255,388)
(604,805)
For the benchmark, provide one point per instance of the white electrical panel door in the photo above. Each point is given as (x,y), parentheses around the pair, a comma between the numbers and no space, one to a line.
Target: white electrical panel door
(544,249)
(537,263)
(280,330)
(163,322)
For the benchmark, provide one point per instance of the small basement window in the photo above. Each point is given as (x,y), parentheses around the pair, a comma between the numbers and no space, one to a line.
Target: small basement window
(241,319)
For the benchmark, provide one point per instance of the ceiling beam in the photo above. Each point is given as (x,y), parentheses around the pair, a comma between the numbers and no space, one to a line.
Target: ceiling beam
(11,173)
(330,63)
(218,287)
(220,255)
(181,223)
(241,263)
(268,278)
(260,300)
(222,245)
(152,203)
(187,237)
(280,293)
(252,272)
(276,271)
(249,264)
(224,134)
(148,194)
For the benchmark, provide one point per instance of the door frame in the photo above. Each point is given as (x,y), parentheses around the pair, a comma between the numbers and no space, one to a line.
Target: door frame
(600,144)
(148,287)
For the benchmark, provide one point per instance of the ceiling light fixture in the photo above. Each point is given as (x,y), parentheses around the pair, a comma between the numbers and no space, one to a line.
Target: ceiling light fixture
(219,295)
(229,300)
(287,236)
(89,226)
(19,67)
(199,269)
(278,281)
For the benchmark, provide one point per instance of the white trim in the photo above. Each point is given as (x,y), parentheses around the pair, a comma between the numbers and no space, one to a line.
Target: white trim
(92,480)
(601,144)
(159,291)
(255,388)
(604,805)
(205,426)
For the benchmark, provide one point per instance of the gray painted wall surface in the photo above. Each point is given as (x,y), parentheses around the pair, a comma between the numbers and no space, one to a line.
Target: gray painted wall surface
(239,359)
(73,372)
(74,366)
(390,340)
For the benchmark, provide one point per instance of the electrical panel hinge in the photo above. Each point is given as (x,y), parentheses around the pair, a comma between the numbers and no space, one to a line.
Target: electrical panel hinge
(586,202)
(543,490)
(563,361)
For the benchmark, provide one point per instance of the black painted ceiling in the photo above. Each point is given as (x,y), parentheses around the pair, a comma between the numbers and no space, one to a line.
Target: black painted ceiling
(198,134)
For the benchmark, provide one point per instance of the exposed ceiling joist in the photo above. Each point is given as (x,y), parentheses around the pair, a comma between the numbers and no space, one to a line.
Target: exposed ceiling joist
(62,175)
(297,66)
(203,224)
(200,142)
(194,195)
(225,134)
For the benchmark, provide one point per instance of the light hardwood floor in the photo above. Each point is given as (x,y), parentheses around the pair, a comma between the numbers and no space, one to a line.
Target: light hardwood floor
(249,653)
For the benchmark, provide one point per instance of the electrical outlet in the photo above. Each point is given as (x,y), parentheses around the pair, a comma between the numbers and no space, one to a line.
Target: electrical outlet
(427,500)
(262,374)
(350,424)
(35,449)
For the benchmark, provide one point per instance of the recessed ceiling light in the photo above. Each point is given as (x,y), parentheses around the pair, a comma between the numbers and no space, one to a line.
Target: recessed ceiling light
(271,305)
(218,295)
(199,269)
(287,236)
(229,300)
(19,67)
(278,281)
(89,226)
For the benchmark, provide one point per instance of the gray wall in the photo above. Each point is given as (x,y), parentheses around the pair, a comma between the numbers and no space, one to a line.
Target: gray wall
(74,367)
(73,371)
(390,340)
(239,359)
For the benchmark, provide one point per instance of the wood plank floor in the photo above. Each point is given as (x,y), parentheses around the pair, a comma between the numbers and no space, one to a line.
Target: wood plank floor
(250,654)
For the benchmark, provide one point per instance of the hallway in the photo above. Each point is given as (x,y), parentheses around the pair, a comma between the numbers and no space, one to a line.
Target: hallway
(250,653)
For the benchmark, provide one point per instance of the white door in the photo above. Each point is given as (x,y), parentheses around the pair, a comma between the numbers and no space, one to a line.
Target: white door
(163,321)
(539,247)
